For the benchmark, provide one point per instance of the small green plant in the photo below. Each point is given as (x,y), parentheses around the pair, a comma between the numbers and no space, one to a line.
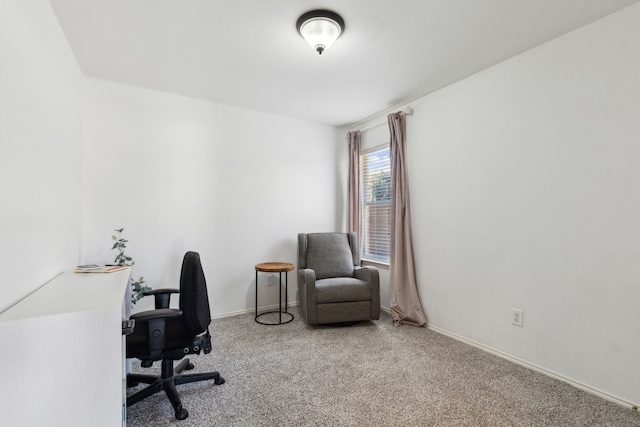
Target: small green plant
(138,287)
(121,244)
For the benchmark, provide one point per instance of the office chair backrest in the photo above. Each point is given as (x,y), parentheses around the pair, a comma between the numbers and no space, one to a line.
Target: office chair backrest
(194,301)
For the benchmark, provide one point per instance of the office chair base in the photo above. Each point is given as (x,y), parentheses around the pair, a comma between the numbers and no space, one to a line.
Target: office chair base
(167,381)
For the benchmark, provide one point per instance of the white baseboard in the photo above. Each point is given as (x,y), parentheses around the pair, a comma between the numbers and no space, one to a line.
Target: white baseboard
(252,310)
(534,367)
(270,307)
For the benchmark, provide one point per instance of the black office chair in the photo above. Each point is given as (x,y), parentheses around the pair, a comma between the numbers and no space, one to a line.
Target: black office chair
(170,334)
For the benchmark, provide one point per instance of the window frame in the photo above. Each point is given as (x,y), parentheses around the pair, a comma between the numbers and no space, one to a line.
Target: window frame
(365,188)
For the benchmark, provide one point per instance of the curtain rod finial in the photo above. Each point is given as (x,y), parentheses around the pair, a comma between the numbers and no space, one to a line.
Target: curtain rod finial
(408,111)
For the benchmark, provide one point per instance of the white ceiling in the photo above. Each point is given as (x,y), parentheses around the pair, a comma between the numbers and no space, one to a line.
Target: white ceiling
(247,53)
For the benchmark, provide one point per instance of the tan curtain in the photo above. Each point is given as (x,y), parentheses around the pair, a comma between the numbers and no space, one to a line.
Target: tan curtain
(403,289)
(354,182)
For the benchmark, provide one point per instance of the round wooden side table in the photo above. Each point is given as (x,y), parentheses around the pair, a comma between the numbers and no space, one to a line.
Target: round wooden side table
(275,267)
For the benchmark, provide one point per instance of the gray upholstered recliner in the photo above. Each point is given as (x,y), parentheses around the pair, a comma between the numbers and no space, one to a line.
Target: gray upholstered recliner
(332,286)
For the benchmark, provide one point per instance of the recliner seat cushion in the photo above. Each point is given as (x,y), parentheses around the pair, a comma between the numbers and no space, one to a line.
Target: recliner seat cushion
(342,289)
(329,254)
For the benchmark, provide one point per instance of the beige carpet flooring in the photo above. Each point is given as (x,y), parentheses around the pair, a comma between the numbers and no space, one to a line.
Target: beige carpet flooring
(368,374)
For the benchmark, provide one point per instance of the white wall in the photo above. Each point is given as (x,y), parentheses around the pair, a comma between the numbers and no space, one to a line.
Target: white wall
(40,149)
(183,174)
(524,184)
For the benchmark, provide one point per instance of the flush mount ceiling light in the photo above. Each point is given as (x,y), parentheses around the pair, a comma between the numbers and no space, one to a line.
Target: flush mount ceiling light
(320,28)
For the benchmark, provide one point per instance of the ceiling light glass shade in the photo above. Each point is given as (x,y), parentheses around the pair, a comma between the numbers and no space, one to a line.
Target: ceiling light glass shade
(320,28)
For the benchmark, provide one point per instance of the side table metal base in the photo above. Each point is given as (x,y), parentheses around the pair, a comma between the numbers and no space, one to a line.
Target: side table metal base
(274,318)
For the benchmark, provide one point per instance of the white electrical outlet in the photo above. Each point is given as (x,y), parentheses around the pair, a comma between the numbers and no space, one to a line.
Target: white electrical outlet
(517,317)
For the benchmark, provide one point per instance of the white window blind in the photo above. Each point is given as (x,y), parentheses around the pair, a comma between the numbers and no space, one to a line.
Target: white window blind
(375,187)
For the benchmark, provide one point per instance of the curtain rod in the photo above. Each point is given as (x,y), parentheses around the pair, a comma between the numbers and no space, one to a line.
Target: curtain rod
(407,111)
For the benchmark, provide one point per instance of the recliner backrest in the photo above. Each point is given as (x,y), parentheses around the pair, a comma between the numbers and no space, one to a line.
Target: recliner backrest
(194,300)
(331,254)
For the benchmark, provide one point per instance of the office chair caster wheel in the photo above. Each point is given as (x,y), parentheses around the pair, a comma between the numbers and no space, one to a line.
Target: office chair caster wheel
(218,381)
(182,414)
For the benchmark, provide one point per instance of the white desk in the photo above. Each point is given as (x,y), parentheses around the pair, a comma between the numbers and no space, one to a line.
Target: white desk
(62,353)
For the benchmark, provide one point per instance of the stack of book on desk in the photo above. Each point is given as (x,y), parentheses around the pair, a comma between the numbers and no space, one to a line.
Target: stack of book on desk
(95,268)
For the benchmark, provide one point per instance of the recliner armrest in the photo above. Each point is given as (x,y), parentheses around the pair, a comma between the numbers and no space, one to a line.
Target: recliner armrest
(370,274)
(307,290)
(308,275)
(367,273)
(162,296)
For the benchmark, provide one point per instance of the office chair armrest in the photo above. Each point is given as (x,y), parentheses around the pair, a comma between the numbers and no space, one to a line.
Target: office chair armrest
(162,296)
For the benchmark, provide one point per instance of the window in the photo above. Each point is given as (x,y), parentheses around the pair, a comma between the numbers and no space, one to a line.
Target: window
(375,215)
